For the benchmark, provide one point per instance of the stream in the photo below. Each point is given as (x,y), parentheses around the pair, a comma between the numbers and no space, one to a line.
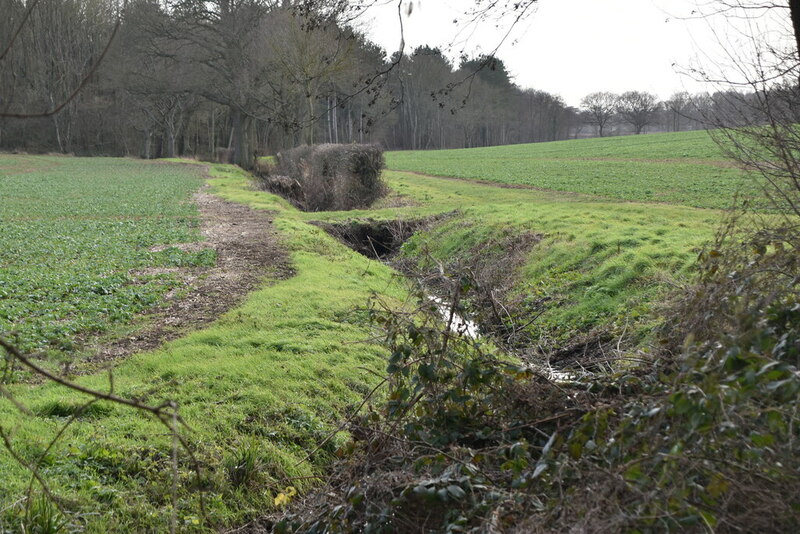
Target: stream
(380,241)
(466,327)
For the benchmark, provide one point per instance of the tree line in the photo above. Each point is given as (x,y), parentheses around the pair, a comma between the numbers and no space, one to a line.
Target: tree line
(635,112)
(231,79)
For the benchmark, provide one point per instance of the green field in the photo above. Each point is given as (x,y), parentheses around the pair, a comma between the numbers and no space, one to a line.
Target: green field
(268,379)
(74,231)
(677,168)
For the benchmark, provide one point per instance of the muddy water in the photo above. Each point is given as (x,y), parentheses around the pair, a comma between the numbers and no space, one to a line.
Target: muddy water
(459,324)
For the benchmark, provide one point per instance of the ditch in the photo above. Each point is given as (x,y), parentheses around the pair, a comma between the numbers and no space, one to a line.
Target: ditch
(382,240)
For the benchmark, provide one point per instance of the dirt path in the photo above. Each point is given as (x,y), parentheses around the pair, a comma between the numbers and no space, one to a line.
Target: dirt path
(248,250)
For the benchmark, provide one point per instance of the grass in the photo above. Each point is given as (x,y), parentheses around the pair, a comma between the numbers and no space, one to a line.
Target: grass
(678,168)
(74,232)
(277,371)
(264,383)
(601,265)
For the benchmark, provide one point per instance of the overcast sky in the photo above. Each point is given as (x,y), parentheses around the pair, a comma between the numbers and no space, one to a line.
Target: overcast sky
(574,47)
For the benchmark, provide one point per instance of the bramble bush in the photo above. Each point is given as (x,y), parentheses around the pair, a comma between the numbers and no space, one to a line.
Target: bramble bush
(326,177)
(468,439)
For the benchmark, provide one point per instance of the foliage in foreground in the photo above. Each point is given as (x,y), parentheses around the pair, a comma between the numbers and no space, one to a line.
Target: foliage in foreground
(469,441)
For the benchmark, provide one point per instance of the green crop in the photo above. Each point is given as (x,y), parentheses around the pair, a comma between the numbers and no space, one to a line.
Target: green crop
(683,168)
(74,234)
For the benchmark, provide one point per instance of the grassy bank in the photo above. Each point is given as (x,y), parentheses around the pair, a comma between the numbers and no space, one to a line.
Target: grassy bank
(596,264)
(263,384)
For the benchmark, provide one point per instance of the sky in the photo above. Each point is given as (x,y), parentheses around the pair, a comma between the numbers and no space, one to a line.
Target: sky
(575,47)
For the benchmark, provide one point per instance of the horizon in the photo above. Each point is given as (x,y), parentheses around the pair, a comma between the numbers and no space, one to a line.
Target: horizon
(653,46)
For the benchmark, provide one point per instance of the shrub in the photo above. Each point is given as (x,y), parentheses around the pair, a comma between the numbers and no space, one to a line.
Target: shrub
(464,439)
(326,177)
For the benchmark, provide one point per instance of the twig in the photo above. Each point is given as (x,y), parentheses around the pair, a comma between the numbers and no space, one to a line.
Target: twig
(13,39)
(33,469)
(166,413)
(343,425)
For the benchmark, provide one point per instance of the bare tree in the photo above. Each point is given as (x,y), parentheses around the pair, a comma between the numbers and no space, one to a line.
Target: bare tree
(600,109)
(678,107)
(752,273)
(223,42)
(754,114)
(310,56)
(63,60)
(255,74)
(637,108)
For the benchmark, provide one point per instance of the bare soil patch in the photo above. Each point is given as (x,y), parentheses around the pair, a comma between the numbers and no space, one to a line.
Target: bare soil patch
(248,250)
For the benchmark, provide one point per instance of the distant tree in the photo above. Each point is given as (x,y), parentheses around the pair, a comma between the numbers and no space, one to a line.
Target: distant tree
(678,108)
(491,93)
(437,105)
(600,108)
(49,52)
(226,78)
(637,108)
(544,117)
(577,121)
(309,56)
(420,107)
(490,69)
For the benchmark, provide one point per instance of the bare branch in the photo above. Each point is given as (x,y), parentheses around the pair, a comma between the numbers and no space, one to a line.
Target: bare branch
(76,91)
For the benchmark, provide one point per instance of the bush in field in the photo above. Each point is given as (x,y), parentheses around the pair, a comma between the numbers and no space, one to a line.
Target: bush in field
(326,177)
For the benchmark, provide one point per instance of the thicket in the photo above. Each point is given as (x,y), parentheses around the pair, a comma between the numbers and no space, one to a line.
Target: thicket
(705,436)
(210,78)
(471,440)
(326,177)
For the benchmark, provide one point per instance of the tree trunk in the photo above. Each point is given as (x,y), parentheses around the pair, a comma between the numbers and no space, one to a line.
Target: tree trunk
(146,144)
(794,12)
(330,121)
(350,124)
(170,149)
(212,137)
(310,123)
(243,148)
(335,119)
(58,134)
